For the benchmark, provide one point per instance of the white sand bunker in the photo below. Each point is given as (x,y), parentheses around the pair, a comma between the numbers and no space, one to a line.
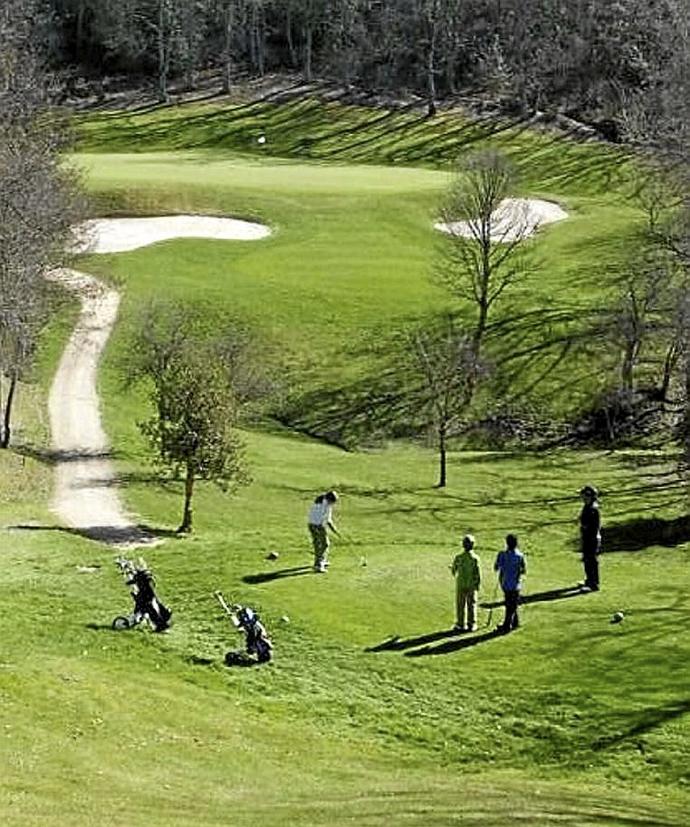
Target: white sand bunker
(117,235)
(514,219)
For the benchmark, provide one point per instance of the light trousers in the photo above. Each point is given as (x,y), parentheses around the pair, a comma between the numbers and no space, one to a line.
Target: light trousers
(466,607)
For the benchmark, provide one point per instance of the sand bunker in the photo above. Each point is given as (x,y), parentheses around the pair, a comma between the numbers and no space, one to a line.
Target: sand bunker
(117,235)
(514,219)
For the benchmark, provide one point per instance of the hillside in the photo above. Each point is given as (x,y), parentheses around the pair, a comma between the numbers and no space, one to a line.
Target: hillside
(372,711)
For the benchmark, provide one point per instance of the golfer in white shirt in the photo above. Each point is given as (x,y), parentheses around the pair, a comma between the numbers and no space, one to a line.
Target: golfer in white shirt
(320,520)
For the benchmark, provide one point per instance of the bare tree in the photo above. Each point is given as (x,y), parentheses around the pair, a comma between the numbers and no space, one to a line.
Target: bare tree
(484,257)
(39,200)
(443,357)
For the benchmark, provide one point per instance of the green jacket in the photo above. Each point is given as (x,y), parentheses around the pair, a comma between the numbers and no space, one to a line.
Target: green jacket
(466,570)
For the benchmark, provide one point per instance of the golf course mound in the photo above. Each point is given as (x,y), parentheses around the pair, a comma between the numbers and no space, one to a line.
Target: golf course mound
(514,219)
(119,235)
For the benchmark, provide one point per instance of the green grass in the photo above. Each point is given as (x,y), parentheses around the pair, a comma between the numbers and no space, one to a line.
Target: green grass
(572,720)
(352,255)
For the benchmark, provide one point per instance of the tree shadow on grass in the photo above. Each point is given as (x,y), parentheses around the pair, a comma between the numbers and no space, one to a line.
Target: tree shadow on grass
(267,576)
(648,720)
(637,535)
(51,457)
(134,535)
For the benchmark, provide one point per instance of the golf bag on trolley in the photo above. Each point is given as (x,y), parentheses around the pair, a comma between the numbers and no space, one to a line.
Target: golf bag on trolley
(257,643)
(146,605)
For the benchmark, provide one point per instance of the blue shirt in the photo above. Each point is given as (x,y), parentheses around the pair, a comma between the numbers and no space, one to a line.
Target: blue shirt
(511,565)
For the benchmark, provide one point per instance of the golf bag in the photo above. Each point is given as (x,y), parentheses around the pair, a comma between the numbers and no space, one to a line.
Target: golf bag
(146,605)
(257,642)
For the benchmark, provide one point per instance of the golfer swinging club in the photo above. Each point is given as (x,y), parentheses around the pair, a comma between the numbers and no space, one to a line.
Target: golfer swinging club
(319,521)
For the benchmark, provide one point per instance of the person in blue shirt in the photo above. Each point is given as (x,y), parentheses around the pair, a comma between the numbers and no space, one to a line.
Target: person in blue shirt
(510,565)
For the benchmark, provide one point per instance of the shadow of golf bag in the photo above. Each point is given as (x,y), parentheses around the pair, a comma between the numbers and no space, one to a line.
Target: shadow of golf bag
(146,605)
(257,642)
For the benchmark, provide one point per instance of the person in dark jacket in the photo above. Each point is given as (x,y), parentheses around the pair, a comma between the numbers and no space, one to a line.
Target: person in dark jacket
(590,535)
(510,565)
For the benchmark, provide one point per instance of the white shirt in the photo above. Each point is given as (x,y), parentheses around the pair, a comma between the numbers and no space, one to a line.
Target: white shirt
(320,513)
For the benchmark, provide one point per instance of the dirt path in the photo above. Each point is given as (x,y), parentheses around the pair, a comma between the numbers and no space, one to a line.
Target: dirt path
(85,496)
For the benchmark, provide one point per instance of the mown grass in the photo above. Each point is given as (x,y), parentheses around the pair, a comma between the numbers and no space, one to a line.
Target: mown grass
(370,713)
(353,256)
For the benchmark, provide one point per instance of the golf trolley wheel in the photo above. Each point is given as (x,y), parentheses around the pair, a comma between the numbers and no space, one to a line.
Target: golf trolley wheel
(120,623)
(263,652)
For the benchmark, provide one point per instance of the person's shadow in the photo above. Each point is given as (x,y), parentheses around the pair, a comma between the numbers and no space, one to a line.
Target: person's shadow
(541,597)
(414,647)
(454,645)
(267,576)
(398,644)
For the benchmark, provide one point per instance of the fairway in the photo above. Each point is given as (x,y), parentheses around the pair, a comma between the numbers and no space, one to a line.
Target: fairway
(372,712)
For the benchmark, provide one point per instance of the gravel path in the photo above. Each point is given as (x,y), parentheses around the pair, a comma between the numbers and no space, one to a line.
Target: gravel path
(86,497)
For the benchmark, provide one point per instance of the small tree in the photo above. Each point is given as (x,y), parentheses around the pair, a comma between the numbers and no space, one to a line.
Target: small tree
(192,428)
(443,358)
(203,373)
(483,259)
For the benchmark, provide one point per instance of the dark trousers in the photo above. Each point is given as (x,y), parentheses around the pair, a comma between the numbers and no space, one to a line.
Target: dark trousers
(511,620)
(591,564)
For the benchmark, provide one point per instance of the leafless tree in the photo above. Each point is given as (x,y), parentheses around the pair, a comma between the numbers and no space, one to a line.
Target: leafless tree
(484,257)
(443,357)
(39,201)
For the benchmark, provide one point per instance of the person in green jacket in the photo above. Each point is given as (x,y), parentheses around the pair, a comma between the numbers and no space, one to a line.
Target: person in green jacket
(465,568)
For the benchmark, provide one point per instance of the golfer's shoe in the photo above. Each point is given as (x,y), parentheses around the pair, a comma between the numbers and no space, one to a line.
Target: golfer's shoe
(458,627)
(472,628)
(321,568)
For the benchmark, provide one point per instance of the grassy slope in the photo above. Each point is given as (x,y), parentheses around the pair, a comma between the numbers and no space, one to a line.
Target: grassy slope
(572,721)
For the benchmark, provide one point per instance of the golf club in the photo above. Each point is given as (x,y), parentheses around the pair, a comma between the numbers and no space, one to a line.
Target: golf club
(348,542)
(491,604)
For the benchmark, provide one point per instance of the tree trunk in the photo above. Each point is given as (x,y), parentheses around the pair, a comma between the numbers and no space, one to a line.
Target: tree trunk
(431,76)
(79,34)
(261,41)
(288,37)
(669,364)
(163,52)
(307,53)
(628,366)
(442,463)
(186,525)
(432,22)
(7,417)
(227,45)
